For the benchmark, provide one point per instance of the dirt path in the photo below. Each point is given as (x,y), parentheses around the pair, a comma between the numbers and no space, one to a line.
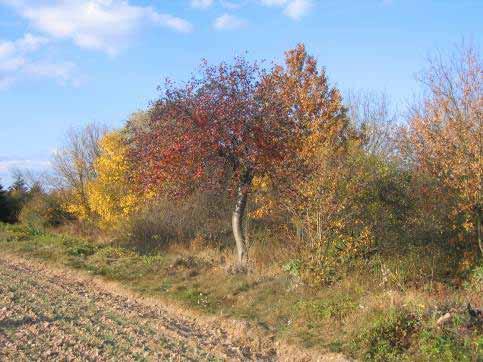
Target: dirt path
(55,314)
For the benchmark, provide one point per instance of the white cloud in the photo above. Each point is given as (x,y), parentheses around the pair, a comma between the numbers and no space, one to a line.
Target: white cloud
(64,72)
(201,4)
(274,2)
(6,82)
(13,54)
(31,43)
(15,62)
(28,43)
(7,165)
(11,64)
(103,25)
(232,5)
(228,22)
(294,9)
(227,4)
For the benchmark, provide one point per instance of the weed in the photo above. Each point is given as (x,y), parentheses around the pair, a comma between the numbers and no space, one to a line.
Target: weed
(389,335)
(81,250)
(475,280)
(293,267)
(336,307)
(196,298)
(443,345)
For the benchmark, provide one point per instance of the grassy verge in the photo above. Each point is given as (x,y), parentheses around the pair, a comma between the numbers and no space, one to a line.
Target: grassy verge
(374,313)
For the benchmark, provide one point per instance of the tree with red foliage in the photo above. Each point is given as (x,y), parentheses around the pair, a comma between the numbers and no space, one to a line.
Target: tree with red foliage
(226,125)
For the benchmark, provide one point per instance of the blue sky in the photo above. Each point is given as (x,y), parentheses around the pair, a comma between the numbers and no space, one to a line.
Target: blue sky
(66,63)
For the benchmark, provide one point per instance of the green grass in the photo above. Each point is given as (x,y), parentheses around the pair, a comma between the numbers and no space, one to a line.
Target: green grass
(382,311)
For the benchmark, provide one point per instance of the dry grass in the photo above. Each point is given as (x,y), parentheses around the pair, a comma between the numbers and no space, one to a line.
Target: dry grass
(359,315)
(178,333)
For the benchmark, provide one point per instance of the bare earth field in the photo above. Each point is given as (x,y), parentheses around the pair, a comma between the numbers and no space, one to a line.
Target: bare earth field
(48,315)
(53,314)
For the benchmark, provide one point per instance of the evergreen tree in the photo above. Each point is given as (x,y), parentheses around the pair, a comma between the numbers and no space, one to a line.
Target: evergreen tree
(19,186)
(4,205)
(17,195)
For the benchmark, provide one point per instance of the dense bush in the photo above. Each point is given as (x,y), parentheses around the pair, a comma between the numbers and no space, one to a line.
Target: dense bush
(402,334)
(358,205)
(44,210)
(442,144)
(16,197)
(164,221)
(13,200)
(4,205)
(388,337)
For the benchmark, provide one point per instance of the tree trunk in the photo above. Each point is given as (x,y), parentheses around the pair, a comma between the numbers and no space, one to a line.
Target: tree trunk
(237,220)
(478,229)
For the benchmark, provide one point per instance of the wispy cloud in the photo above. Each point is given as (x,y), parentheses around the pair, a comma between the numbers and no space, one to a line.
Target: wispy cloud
(201,4)
(16,62)
(227,4)
(103,25)
(6,82)
(64,72)
(34,169)
(295,9)
(12,53)
(274,2)
(8,165)
(232,5)
(228,22)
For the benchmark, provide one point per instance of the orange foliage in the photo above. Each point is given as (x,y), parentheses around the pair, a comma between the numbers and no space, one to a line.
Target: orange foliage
(444,137)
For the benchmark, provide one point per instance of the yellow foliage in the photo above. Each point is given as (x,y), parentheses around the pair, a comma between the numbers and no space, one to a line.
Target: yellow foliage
(264,203)
(75,203)
(111,195)
(322,133)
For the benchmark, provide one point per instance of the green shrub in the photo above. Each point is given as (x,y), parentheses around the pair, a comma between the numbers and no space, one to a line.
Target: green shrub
(34,230)
(123,264)
(43,210)
(443,345)
(197,299)
(358,204)
(293,267)
(409,265)
(14,200)
(79,248)
(475,279)
(111,254)
(13,233)
(389,336)
(336,306)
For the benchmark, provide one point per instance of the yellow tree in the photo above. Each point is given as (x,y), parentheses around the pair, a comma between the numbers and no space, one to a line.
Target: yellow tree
(74,167)
(111,195)
(444,137)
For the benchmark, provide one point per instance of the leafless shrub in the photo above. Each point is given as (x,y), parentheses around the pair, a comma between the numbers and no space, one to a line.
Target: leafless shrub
(373,115)
(73,163)
(165,221)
